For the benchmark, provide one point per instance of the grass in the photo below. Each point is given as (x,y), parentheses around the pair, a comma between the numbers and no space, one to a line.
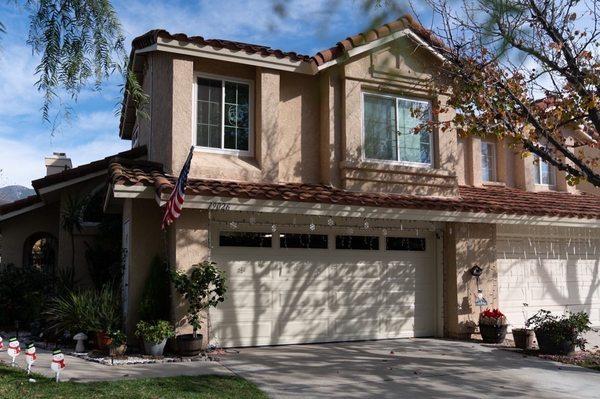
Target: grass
(14,384)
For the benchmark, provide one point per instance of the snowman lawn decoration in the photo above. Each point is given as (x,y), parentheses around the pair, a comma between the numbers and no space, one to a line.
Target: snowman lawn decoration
(14,349)
(58,363)
(30,356)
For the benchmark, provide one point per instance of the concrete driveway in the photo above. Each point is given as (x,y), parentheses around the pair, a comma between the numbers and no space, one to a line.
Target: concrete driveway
(408,368)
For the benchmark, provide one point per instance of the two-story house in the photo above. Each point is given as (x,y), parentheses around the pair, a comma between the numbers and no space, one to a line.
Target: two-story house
(332,217)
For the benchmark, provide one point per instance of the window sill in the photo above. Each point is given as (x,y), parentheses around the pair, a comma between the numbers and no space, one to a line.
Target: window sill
(493,184)
(223,151)
(395,167)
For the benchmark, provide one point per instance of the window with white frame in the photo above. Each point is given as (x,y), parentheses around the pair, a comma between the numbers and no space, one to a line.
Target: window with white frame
(223,114)
(389,129)
(544,174)
(488,161)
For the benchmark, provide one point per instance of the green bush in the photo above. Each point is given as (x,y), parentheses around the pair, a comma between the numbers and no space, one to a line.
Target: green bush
(561,328)
(154,332)
(86,310)
(155,303)
(23,291)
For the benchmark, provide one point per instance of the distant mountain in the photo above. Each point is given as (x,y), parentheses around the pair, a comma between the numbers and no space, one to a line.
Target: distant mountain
(13,193)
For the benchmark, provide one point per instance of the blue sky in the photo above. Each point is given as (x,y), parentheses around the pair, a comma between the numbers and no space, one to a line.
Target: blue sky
(92,132)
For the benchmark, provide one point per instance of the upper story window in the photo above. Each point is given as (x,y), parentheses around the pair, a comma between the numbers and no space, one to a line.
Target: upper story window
(544,174)
(488,161)
(389,124)
(223,115)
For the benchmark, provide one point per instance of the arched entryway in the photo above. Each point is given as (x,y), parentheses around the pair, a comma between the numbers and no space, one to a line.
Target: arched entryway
(39,252)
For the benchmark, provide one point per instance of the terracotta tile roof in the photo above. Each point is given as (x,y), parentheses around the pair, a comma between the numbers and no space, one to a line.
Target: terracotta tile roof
(151,37)
(19,204)
(404,22)
(498,200)
(86,169)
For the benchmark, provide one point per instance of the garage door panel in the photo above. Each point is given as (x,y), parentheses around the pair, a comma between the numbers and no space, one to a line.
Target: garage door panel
(282,296)
(553,273)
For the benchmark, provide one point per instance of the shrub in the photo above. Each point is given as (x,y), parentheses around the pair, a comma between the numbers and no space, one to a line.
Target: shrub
(154,332)
(86,310)
(22,294)
(205,287)
(155,303)
(560,329)
(492,317)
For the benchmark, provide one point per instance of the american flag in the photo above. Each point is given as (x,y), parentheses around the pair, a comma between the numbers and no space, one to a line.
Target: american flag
(175,203)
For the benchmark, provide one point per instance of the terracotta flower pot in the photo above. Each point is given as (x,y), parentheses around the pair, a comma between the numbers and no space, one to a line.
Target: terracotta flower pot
(523,338)
(103,341)
(493,334)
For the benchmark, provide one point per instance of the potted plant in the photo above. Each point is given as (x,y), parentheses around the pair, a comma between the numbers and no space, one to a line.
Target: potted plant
(559,335)
(523,337)
(203,287)
(492,326)
(466,329)
(118,344)
(154,335)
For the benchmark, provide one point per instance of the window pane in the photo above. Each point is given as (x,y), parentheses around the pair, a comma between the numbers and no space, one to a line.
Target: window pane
(537,166)
(242,139)
(488,161)
(414,146)
(230,137)
(230,115)
(314,241)
(202,136)
(357,242)
(380,128)
(404,244)
(214,136)
(231,92)
(243,239)
(243,115)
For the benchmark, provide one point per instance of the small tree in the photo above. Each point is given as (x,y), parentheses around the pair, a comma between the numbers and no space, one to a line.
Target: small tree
(71,219)
(204,287)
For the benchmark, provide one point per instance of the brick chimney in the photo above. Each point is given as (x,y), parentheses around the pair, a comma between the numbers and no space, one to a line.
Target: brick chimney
(57,163)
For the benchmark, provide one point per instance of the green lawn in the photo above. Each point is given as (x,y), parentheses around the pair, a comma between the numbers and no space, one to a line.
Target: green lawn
(14,384)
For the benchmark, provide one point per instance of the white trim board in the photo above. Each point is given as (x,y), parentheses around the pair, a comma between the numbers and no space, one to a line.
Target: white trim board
(21,211)
(53,187)
(322,209)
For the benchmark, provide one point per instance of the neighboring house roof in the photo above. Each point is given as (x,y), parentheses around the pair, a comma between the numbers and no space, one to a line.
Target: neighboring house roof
(19,204)
(496,200)
(84,170)
(312,63)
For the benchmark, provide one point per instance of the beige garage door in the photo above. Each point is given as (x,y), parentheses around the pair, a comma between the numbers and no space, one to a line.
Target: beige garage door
(556,269)
(288,287)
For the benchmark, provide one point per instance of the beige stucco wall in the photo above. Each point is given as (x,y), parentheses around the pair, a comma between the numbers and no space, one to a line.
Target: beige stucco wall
(16,230)
(466,245)
(145,242)
(405,70)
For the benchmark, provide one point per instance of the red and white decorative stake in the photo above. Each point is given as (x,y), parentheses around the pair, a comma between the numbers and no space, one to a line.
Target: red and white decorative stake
(14,349)
(30,356)
(58,363)
(1,344)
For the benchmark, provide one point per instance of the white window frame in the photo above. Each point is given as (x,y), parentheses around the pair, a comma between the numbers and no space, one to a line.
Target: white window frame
(551,171)
(223,79)
(397,161)
(494,166)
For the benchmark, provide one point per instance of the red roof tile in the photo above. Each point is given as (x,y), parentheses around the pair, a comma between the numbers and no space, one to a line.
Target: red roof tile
(497,200)
(86,169)
(151,37)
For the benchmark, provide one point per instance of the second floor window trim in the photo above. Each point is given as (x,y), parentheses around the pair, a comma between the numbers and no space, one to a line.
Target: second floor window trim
(386,120)
(223,124)
(545,174)
(488,161)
